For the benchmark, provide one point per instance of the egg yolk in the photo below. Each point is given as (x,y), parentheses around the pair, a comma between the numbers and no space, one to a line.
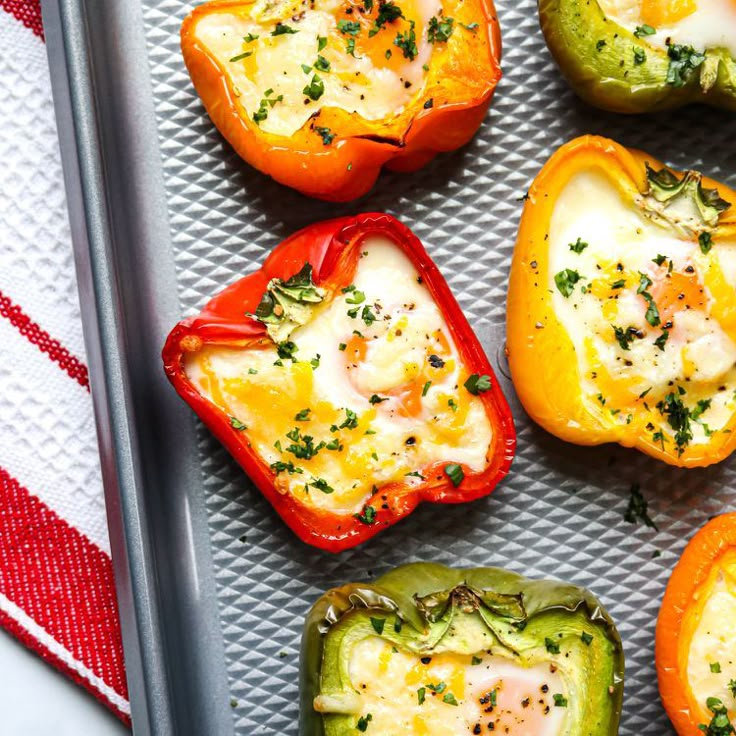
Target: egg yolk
(666,12)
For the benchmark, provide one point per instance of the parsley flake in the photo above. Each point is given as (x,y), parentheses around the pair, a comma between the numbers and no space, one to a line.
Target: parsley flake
(455,473)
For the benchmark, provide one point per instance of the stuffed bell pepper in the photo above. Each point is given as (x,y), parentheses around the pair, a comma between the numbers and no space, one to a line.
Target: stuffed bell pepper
(621,321)
(427,650)
(320,95)
(635,56)
(696,634)
(346,381)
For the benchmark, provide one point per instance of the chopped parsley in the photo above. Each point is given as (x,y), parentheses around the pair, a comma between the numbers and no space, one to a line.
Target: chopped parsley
(618,284)
(407,42)
(732,687)
(720,724)
(715,667)
(322,64)
(439,29)
(363,721)
(477,384)
(280,467)
(356,297)
(421,695)
(450,698)
(652,313)
(349,27)
(237,424)
(242,56)
(578,246)
(678,417)
(624,337)
(659,259)
(250,37)
(470,26)
(281,29)
(315,89)
(565,281)
(426,388)
(388,12)
(475,660)
(321,42)
(262,113)
(303,415)
(644,30)
(376,399)
(286,350)
(640,55)
(325,133)
(586,638)
(303,446)
(378,624)
(367,315)
(321,485)
(706,242)
(455,473)
(560,700)
(351,420)
(452,404)
(600,44)
(342,347)
(637,509)
(551,645)
(416,474)
(439,688)
(684,60)
(368,515)
(661,341)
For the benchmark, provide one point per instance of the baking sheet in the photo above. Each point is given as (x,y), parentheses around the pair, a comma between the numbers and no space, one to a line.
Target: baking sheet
(560,512)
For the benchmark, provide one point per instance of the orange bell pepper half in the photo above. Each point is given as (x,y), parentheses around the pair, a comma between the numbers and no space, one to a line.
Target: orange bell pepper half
(621,321)
(696,634)
(322,97)
(346,381)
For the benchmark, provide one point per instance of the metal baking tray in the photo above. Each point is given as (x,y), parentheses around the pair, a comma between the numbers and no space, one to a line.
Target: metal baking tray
(212,585)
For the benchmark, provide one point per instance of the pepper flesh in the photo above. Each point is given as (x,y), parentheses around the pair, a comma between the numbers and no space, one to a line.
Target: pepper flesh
(344,162)
(599,58)
(333,249)
(429,609)
(688,591)
(544,364)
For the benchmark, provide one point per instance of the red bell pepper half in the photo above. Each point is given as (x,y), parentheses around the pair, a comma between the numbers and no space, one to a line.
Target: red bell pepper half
(314,269)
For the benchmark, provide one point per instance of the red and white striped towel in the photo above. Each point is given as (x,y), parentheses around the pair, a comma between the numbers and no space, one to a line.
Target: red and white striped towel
(56,585)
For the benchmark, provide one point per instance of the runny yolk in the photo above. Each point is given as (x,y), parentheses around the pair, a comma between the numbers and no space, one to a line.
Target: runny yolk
(377,42)
(666,12)
(677,292)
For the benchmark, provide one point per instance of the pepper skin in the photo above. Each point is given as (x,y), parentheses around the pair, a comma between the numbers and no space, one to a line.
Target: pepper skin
(560,373)
(710,555)
(426,610)
(334,250)
(337,154)
(599,59)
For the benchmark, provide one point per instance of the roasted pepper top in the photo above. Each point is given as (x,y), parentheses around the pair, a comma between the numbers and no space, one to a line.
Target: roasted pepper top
(346,381)
(426,649)
(321,93)
(621,304)
(696,634)
(636,56)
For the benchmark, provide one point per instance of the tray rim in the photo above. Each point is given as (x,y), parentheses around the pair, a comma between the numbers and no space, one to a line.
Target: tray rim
(176,683)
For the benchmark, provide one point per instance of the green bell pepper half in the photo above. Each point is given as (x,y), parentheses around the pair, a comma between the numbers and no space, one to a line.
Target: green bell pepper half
(611,68)
(429,609)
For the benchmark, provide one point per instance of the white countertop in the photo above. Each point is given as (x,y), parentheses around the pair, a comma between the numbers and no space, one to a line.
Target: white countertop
(36,700)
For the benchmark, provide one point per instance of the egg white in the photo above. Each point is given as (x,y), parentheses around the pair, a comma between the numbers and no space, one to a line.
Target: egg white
(352,84)
(388,681)
(376,452)
(617,232)
(711,26)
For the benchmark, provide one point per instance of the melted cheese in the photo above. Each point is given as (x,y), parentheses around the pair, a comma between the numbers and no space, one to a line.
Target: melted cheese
(376,81)
(713,643)
(694,296)
(389,682)
(424,415)
(702,24)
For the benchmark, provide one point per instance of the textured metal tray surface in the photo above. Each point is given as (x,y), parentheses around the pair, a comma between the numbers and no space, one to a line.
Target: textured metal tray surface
(560,512)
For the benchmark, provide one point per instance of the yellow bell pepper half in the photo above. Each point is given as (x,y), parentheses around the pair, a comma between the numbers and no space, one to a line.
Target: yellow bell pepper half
(622,304)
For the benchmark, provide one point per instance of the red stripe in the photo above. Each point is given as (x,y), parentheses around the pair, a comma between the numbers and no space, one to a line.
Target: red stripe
(61,580)
(11,625)
(28,12)
(35,334)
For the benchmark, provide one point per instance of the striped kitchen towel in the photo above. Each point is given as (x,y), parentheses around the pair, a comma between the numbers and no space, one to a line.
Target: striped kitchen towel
(56,585)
